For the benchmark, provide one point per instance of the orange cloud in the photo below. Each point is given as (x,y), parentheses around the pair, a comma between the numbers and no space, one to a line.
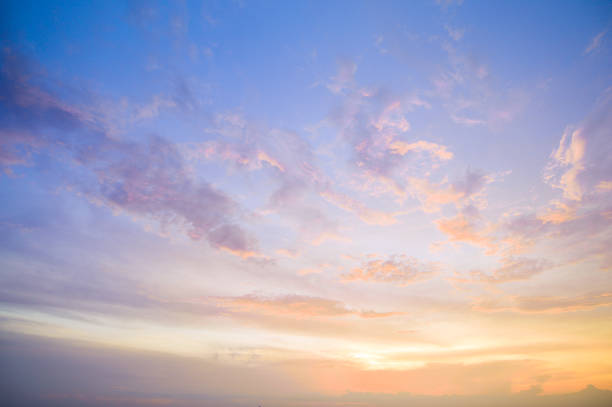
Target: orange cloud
(461,228)
(399,270)
(436,150)
(559,213)
(434,195)
(570,153)
(463,191)
(604,186)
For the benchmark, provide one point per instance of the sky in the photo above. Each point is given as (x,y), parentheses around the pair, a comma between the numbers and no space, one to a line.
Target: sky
(272,203)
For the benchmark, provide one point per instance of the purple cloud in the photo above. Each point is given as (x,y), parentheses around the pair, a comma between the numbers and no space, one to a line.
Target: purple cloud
(145,178)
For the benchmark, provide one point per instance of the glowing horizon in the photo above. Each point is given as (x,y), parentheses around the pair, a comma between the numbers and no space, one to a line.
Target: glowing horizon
(290,203)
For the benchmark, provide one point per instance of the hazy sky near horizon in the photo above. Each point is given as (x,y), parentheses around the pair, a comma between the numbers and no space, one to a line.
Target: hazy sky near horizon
(305,201)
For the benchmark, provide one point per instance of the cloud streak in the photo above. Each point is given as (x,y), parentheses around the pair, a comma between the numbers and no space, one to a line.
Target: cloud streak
(546,305)
(298,306)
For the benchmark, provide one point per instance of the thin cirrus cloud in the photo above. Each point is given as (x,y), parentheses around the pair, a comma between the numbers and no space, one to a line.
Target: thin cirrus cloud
(595,42)
(294,305)
(368,215)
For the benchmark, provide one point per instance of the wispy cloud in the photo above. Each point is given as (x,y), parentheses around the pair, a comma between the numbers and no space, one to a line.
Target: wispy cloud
(595,42)
(344,77)
(368,215)
(455,33)
(294,305)
(550,305)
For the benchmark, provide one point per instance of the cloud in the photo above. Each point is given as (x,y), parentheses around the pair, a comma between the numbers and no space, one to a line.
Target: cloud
(16,148)
(548,305)
(344,77)
(461,192)
(241,155)
(455,33)
(151,180)
(399,270)
(378,42)
(55,284)
(467,228)
(570,155)
(432,196)
(575,236)
(577,223)
(512,269)
(604,186)
(29,109)
(436,150)
(290,253)
(595,42)
(444,4)
(464,86)
(373,123)
(245,145)
(293,305)
(559,212)
(467,121)
(145,178)
(307,271)
(327,236)
(368,215)
(581,160)
(251,148)
(152,109)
